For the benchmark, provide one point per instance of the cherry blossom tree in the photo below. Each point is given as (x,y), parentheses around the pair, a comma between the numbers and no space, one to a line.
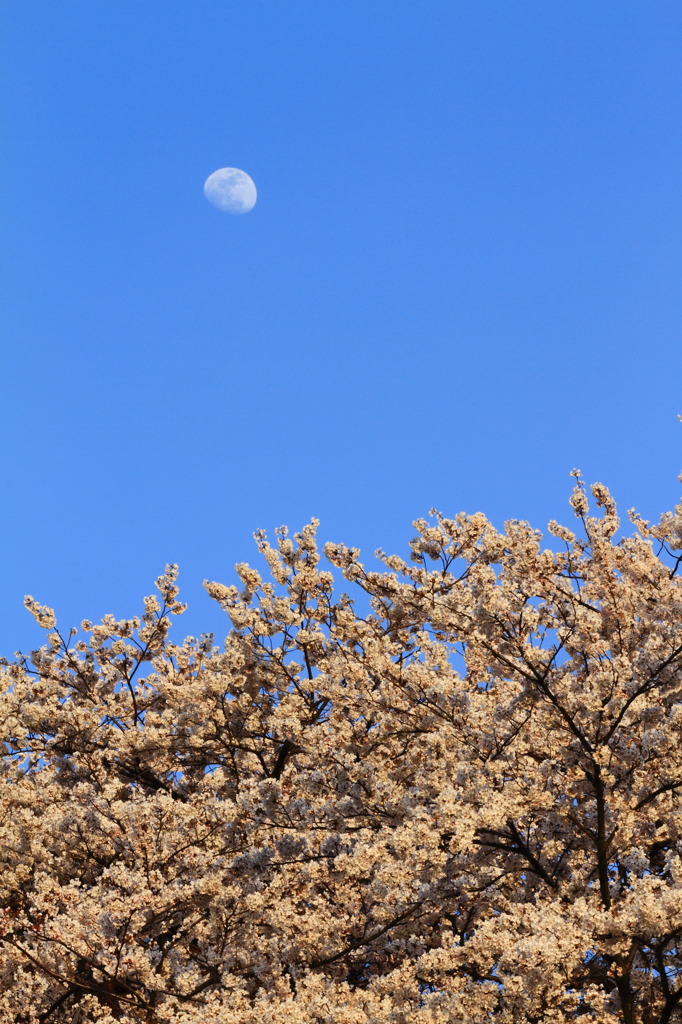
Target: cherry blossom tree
(451,795)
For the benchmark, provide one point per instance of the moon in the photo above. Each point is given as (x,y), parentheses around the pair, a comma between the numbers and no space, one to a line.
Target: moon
(231,190)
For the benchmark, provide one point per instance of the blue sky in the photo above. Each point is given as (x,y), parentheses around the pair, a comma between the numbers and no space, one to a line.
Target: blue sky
(461,279)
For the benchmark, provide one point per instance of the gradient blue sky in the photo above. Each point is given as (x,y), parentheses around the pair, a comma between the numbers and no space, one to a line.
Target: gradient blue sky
(461,278)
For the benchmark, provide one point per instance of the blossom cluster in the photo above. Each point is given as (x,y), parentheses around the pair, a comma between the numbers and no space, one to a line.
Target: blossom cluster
(451,795)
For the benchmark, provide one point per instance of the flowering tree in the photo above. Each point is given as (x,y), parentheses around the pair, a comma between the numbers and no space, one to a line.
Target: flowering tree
(456,799)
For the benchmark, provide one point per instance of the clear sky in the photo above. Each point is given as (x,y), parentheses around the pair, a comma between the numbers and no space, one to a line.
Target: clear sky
(461,279)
